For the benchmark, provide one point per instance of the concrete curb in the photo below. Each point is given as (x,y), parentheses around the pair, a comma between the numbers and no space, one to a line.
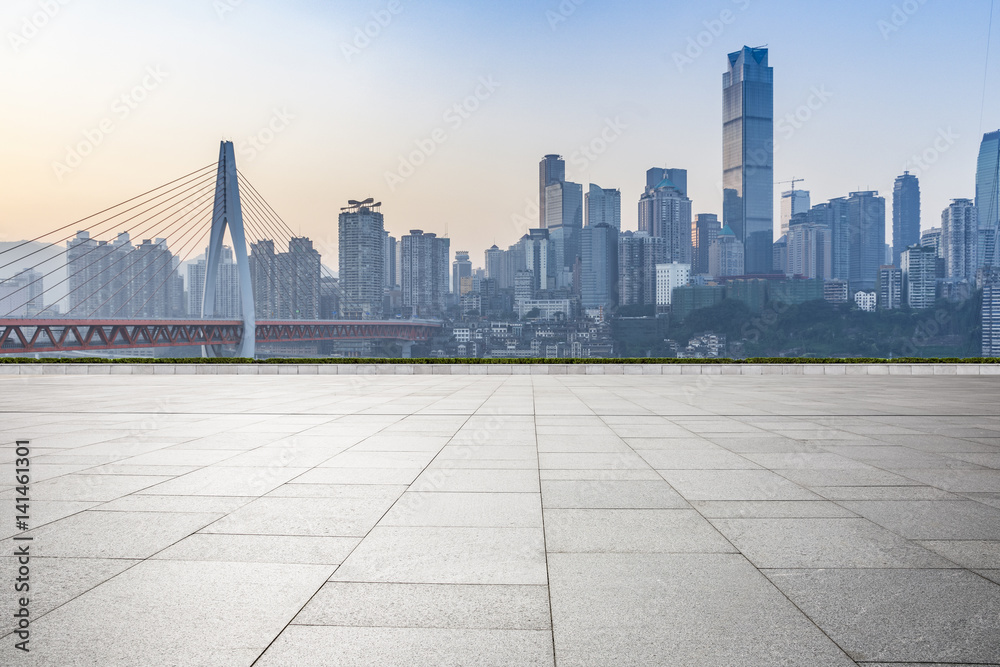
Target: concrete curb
(922,370)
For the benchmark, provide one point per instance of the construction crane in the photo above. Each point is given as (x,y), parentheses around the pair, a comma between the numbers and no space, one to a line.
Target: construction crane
(793,182)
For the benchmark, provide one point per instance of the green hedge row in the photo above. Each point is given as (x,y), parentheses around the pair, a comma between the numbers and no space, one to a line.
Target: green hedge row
(764,360)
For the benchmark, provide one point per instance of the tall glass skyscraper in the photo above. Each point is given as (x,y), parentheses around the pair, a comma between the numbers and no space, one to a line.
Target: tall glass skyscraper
(905,215)
(988,199)
(748,155)
(551,170)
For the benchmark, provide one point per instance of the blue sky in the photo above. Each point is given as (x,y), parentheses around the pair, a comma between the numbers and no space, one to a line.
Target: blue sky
(887,80)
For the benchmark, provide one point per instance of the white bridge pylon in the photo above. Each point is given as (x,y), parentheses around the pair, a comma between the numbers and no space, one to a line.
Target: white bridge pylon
(228,213)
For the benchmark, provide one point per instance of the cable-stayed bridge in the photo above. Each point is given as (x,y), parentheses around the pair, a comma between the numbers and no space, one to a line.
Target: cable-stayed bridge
(123,297)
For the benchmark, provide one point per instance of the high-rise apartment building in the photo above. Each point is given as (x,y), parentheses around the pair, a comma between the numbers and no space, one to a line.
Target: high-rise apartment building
(960,238)
(286,285)
(810,249)
(988,201)
(793,202)
(424,273)
(21,295)
(494,263)
(726,256)
(704,230)
(551,170)
(665,212)
(991,314)
(668,278)
(866,239)
(905,215)
(362,260)
(227,286)
(389,262)
(638,255)
(460,268)
(599,266)
(603,206)
(889,287)
(919,266)
(748,155)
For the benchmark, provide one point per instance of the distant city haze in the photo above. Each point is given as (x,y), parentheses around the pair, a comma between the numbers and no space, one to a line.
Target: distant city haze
(442,110)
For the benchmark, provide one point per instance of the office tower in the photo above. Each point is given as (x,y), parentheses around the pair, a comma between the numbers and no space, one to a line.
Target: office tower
(835,215)
(362,260)
(810,249)
(726,256)
(866,240)
(748,155)
(991,315)
(665,212)
(905,215)
(889,287)
(524,285)
(424,273)
(540,259)
(599,266)
(919,267)
(779,253)
(704,230)
(461,268)
(668,278)
(551,170)
(603,206)
(678,177)
(959,238)
(988,200)
(638,255)
(563,220)
(793,202)
(389,262)
(494,262)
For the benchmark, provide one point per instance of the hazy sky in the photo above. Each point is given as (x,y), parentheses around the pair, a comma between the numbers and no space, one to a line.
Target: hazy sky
(639,81)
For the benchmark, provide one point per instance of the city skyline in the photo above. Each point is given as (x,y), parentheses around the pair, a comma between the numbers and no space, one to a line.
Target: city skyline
(307,186)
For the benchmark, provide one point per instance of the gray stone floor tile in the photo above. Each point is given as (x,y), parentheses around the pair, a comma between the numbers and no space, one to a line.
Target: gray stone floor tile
(958,481)
(631,531)
(735,485)
(220,481)
(579,475)
(329,517)
(624,460)
(428,606)
(42,512)
(90,488)
(901,615)
(884,493)
(513,510)
(205,614)
(393,476)
(304,646)
(824,543)
(696,460)
(56,581)
(677,609)
(295,549)
(610,494)
(477,481)
(96,534)
(453,555)
(771,509)
(971,554)
(930,520)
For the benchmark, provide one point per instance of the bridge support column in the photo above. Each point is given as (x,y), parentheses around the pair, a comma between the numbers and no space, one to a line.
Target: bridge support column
(228,213)
(407,349)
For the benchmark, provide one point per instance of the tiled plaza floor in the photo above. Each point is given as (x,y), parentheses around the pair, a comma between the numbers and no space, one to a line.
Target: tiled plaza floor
(506,520)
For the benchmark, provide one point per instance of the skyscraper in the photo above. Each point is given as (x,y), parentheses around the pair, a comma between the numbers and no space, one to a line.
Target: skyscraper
(551,170)
(919,265)
(564,219)
(726,255)
(866,239)
(638,255)
(793,202)
(905,215)
(599,266)
(494,262)
(991,315)
(704,230)
(665,212)
(424,272)
(810,249)
(461,268)
(603,206)
(889,287)
(748,154)
(362,263)
(988,200)
(960,236)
